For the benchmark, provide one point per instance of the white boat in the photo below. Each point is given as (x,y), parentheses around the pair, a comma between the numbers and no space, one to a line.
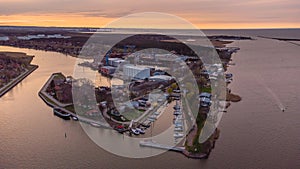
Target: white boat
(177,113)
(135,131)
(141,131)
(153,117)
(178,129)
(75,118)
(151,120)
(176,107)
(179,117)
(178,124)
(156,113)
(95,125)
(178,135)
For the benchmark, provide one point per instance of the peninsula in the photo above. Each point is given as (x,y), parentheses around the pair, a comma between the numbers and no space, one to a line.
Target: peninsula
(57,93)
(14,67)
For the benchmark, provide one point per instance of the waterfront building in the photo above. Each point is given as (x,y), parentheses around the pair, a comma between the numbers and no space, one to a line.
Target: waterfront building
(111,60)
(136,72)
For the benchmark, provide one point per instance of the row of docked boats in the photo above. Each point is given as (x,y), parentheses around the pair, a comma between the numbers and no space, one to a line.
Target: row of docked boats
(178,121)
(154,116)
(137,131)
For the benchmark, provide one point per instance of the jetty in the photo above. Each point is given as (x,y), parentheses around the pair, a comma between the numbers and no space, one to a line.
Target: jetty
(160,146)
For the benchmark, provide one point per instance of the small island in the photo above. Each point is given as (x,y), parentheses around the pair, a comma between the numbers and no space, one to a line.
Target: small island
(14,67)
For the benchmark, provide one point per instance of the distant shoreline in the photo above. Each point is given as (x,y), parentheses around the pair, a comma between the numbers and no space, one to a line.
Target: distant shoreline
(281,39)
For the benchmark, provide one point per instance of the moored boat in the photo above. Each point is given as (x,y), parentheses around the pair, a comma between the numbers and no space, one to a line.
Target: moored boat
(75,118)
(95,125)
(135,131)
(60,113)
(178,129)
(141,131)
(178,135)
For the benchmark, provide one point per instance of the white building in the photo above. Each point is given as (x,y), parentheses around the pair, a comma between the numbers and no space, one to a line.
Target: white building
(136,72)
(111,60)
(4,38)
(120,62)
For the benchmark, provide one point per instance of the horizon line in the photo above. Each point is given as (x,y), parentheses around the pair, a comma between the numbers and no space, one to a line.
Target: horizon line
(93,27)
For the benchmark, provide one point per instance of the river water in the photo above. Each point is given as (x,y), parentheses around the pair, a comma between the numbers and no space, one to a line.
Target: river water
(255,133)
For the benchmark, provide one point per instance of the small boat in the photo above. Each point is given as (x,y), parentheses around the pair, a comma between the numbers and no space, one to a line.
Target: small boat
(177,113)
(228,80)
(141,131)
(178,124)
(178,129)
(151,120)
(176,107)
(178,135)
(229,75)
(154,117)
(176,98)
(95,124)
(75,118)
(135,131)
(179,117)
(146,125)
(58,112)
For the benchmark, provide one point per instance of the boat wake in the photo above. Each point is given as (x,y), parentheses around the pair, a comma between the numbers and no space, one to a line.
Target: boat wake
(272,94)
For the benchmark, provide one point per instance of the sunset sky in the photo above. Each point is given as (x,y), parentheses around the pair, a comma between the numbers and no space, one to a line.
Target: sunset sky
(217,14)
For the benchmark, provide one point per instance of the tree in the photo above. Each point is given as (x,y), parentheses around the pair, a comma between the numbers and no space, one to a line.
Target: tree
(170,90)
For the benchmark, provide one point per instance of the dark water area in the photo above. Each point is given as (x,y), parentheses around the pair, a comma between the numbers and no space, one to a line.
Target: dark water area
(255,133)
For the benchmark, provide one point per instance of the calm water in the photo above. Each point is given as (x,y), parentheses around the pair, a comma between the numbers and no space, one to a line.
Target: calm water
(255,133)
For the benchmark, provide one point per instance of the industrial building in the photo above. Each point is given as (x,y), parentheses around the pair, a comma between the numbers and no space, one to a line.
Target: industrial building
(115,62)
(136,72)
(111,60)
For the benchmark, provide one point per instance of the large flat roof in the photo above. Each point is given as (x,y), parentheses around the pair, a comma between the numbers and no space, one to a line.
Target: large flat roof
(135,67)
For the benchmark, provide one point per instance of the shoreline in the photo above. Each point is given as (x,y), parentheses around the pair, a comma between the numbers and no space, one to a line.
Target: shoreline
(78,40)
(17,80)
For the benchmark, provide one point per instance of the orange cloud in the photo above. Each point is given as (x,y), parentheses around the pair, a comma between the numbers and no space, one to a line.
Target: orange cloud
(91,20)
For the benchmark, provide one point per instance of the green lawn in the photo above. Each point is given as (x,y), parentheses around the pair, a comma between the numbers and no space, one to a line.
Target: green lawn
(206,89)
